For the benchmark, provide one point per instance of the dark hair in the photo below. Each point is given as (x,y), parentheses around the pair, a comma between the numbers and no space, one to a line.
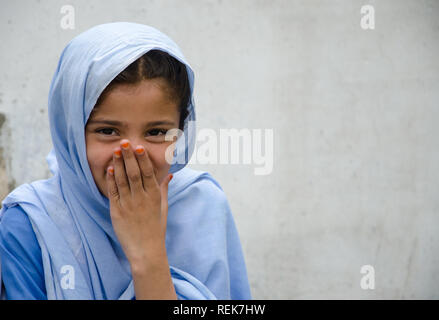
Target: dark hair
(156,64)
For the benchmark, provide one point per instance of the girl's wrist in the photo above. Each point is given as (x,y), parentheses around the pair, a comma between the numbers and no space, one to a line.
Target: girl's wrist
(152,278)
(151,260)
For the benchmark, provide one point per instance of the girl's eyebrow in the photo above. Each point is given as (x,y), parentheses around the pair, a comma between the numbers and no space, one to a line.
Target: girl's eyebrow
(122,124)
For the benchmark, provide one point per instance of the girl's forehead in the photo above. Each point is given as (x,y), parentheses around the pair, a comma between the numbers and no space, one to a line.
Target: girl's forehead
(134,110)
(146,92)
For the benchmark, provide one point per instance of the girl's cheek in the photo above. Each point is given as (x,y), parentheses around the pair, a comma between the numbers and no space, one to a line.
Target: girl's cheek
(158,158)
(99,159)
(157,153)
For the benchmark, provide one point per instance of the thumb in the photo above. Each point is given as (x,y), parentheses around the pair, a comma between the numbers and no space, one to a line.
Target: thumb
(164,194)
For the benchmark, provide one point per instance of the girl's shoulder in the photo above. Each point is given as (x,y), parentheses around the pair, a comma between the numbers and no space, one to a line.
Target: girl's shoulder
(20,256)
(195,182)
(14,219)
(16,229)
(196,198)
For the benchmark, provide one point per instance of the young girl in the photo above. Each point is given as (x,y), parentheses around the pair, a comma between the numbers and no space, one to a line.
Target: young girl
(110,223)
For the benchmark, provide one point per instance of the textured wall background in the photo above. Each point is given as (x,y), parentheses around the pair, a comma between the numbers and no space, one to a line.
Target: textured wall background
(354,114)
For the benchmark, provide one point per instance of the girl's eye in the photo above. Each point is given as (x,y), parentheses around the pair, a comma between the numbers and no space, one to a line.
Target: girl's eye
(104,130)
(157,134)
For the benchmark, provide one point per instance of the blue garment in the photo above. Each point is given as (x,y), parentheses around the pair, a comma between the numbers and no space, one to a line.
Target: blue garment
(22,265)
(22,269)
(69,216)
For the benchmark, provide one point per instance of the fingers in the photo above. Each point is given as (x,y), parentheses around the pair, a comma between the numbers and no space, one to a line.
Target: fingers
(113,193)
(147,169)
(120,177)
(134,171)
(133,174)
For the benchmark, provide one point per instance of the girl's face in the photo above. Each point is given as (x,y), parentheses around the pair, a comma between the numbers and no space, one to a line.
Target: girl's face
(142,114)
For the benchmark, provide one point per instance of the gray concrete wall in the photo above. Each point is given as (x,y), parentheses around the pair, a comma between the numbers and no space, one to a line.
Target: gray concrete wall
(354,114)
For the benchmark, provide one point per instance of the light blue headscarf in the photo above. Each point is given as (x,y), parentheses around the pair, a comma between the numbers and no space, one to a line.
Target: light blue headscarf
(70,216)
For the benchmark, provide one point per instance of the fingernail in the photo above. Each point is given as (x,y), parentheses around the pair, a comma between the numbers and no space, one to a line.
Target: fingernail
(171,177)
(118,153)
(110,170)
(125,144)
(139,149)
